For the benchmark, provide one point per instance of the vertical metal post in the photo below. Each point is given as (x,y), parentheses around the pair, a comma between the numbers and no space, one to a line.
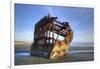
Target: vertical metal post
(49,33)
(52,33)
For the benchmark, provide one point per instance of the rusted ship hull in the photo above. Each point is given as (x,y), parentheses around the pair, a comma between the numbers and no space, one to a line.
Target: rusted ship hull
(45,45)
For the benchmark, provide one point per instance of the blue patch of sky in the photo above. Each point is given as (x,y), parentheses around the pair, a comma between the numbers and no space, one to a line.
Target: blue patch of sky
(81,20)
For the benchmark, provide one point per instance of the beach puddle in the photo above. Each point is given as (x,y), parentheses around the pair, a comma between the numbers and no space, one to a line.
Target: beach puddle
(27,53)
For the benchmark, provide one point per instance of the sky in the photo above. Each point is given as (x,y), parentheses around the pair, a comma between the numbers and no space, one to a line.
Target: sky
(80,19)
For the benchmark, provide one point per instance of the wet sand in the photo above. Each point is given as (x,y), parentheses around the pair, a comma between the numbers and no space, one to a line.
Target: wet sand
(76,54)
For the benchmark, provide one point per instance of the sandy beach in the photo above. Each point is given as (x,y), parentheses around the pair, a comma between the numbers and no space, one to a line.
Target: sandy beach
(76,54)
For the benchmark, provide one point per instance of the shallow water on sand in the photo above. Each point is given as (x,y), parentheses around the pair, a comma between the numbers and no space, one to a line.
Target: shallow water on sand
(24,57)
(27,53)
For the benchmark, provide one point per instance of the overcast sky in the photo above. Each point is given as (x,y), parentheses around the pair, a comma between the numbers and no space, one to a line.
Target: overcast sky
(80,19)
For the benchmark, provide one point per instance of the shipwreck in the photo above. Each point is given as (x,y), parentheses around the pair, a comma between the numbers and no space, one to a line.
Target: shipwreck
(45,45)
